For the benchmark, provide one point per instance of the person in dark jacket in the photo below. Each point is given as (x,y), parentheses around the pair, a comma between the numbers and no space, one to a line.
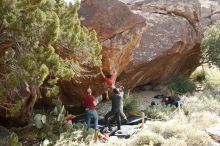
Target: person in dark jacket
(122,114)
(117,101)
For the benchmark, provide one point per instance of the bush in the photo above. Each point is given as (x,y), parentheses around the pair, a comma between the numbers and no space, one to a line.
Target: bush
(198,104)
(171,141)
(131,106)
(199,119)
(211,44)
(79,135)
(12,140)
(213,76)
(159,112)
(147,136)
(179,129)
(196,138)
(182,84)
(198,75)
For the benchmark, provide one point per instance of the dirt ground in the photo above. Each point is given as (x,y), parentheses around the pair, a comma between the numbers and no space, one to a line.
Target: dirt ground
(144,99)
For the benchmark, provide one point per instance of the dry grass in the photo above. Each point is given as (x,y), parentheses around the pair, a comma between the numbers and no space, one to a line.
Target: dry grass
(181,130)
(211,73)
(203,120)
(213,76)
(178,129)
(186,128)
(145,137)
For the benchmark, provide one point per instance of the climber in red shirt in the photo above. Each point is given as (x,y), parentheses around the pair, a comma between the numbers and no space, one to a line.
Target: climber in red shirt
(109,78)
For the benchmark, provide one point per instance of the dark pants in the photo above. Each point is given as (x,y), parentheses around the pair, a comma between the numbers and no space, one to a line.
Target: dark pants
(117,116)
(123,116)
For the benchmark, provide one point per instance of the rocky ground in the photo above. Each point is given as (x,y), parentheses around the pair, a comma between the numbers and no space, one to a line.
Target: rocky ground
(144,99)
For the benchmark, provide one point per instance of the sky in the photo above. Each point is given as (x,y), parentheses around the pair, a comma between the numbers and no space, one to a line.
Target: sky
(69,0)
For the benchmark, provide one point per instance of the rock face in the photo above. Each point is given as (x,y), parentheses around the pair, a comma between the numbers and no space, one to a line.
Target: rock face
(214,132)
(147,41)
(210,12)
(169,47)
(4,133)
(119,31)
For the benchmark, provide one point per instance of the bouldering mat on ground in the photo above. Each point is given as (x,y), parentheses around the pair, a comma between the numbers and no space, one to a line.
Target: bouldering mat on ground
(79,119)
(127,131)
(134,120)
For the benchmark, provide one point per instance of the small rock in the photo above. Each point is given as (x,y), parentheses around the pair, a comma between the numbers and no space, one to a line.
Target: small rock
(214,132)
(213,143)
(4,133)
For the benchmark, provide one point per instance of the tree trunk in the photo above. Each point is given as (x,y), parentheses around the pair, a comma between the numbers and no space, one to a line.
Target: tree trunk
(24,116)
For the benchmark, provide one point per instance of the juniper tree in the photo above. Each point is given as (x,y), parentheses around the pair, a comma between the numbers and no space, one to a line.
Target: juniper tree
(211,44)
(30,31)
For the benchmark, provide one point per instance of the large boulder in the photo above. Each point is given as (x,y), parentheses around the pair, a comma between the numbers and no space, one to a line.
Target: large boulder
(171,44)
(119,31)
(210,12)
(147,41)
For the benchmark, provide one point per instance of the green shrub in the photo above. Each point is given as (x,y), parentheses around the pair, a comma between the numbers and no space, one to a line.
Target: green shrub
(211,44)
(198,75)
(182,84)
(131,106)
(78,135)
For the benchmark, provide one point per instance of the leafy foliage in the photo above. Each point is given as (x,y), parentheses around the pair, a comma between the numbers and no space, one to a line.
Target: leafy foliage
(211,44)
(36,27)
(16,108)
(12,140)
(182,84)
(36,31)
(56,130)
(199,75)
(131,106)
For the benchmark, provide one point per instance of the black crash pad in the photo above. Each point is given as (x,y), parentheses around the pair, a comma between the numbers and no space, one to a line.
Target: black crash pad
(127,131)
(132,120)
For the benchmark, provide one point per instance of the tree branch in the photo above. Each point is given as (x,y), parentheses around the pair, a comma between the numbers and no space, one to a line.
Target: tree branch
(1,106)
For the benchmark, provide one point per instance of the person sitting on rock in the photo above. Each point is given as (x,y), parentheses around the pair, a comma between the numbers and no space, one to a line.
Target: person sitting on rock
(177,101)
(170,98)
(152,104)
(167,99)
(117,102)
(90,103)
